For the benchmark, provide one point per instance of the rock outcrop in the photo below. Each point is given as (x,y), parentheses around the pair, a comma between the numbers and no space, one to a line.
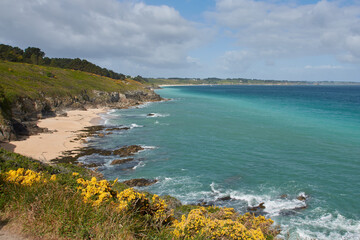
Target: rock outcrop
(140,182)
(121,161)
(24,112)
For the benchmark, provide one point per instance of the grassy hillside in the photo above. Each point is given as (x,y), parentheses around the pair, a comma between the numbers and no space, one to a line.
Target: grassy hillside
(27,80)
(66,201)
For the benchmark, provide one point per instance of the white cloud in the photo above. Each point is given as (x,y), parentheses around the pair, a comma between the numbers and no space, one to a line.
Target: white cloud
(150,36)
(284,30)
(326,67)
(239,60)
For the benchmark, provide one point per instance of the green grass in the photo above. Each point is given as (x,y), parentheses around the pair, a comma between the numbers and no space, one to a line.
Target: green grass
(56,210)
(36,82)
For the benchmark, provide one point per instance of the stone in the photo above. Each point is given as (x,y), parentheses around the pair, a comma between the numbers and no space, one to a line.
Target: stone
(301,198)
(260,206)
(92,165)
(226,198)
(121,161)
(128,150)
(140,182)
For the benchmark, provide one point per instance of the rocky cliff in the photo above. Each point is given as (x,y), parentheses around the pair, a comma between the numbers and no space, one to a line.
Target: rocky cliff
(24,112)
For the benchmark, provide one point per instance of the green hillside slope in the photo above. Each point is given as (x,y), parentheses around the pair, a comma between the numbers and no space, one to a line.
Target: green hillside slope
(27,80)
(29,92)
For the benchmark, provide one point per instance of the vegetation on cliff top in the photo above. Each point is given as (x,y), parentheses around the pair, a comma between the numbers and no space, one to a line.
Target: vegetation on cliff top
(34,81)
(35,56)
(66,201)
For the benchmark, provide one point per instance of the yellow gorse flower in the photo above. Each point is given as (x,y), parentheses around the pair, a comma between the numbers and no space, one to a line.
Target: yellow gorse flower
(219,223)
(211,222)
(94,191)
(22,177)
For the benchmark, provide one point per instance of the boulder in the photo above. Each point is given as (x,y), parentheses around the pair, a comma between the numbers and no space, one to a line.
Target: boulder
(226,198)
(121,161)
(92,165)
(128,150)
(301,198)
(260,206)
(140,182)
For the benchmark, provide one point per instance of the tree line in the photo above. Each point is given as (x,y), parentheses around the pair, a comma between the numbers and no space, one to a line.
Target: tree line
(34,55)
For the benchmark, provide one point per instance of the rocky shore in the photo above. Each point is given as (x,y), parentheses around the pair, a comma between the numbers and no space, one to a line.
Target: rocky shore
(25,112)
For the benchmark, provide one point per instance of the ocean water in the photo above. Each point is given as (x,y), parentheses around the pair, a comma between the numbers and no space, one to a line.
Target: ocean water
(254,144)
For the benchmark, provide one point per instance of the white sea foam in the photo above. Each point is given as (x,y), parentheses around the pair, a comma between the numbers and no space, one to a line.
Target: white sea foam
(140,164)
(322,225)
(134,125)
(212,186)
(148,147)
(156,115)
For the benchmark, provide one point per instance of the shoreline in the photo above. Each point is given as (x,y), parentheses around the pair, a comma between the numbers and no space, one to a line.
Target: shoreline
(63,135)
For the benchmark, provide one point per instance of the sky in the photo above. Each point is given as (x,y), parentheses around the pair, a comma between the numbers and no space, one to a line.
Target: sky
(307,40)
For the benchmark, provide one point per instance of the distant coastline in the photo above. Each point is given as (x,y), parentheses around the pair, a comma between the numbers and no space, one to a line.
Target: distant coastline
(265,84)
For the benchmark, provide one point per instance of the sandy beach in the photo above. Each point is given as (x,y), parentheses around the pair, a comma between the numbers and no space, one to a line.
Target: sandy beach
(47,146)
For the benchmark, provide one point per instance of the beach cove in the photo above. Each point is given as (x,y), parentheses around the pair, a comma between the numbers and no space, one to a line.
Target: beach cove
(241,153)
(63,132)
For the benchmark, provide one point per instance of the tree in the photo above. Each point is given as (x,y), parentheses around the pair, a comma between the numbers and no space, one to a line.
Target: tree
(33,55)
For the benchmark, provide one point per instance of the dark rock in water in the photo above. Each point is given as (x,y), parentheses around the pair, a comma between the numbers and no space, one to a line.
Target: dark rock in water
(108,133)
(128,150)
(287,212)
(301,208)
(226,198)
(301,198)
(72,155)
(151,114)
(290,212)
(117,129)
(283,196)
(260,206)
(140,182)
(101,135)
(121,161)
(92,165)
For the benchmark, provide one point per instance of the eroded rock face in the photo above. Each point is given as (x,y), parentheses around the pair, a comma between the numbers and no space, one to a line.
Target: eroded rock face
(140,182)
(26,111)
(128,150)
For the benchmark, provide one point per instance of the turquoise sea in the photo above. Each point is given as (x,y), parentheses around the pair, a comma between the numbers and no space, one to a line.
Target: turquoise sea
(254,144)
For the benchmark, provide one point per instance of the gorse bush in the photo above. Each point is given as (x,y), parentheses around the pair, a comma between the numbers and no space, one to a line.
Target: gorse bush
(222,223)
(72,205)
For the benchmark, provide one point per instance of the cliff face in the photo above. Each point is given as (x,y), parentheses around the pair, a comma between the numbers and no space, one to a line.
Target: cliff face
(26,111)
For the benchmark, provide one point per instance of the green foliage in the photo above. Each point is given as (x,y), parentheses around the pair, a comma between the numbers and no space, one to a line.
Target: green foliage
(35,82)
(35,56)
(9,53)
(140,79)
(13,161)
(54,208)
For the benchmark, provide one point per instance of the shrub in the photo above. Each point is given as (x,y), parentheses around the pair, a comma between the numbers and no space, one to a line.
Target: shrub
(221,223)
